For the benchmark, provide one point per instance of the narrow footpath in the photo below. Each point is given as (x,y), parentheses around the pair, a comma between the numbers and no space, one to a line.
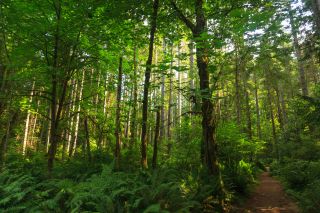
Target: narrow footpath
(269,197)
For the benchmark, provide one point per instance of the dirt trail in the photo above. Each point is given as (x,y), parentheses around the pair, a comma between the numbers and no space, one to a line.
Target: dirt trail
(269,197)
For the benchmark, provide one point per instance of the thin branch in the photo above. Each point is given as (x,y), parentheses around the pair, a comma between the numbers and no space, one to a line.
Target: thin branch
(183,18)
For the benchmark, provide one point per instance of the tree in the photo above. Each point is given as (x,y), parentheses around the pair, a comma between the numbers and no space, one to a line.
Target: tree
(199,32)
(153,27)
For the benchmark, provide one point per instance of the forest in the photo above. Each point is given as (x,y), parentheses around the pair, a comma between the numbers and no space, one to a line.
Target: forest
(124,106)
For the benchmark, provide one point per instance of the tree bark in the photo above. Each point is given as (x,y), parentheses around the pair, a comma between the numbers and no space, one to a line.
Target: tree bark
(55,109)
(88,147)
(156,139)
(26,129)
(133,128)
(162,129)
(257,107)
(4,140)
(144,162)
(248,110)
(209,145)
(237,87)
(191,78)
(77,121)
(279,110)
(179,90)
(70,132)
(274,133)
(315,6)
(170,103)
(118,119)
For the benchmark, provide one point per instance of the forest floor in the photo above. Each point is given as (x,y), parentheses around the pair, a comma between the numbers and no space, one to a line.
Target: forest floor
(269,197)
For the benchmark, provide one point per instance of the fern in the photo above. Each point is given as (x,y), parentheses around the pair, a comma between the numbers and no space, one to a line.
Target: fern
(159,191)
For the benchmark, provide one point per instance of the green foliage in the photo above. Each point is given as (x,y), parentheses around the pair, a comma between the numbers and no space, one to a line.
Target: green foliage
(239,177)
(302,179)
(160,191)
(235,146)
(238,157)
(185,147)
(310,197)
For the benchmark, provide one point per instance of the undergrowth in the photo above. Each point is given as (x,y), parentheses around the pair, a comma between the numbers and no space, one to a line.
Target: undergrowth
(301,179)
(101,189)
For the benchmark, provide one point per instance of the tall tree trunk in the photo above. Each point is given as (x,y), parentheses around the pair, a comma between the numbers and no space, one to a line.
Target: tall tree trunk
(170,103)
(156,139)
(191,79)
(118,119)
(144,162)
(54,90)
(133,128)
(128,117)
(209,148)
(26,129)
(209,145)
(280,116)
(237,87)
(208,117)
(315,6)
(35,120)
(4,59)
(105,99)
(283,106)
(294,30)
(179,89)
(88,147)
(248,110)
(274,133)
(73,147)
(71,122)
(162,129)
(48,131)
(257,107)
(12,119)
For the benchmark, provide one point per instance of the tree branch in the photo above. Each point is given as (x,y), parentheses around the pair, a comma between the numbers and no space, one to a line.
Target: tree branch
(183,18)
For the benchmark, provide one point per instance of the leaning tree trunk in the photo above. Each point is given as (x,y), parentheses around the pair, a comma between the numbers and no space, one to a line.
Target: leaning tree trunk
(144,162)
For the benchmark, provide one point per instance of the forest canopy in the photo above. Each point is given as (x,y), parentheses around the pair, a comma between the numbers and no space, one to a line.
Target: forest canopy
(157,106)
